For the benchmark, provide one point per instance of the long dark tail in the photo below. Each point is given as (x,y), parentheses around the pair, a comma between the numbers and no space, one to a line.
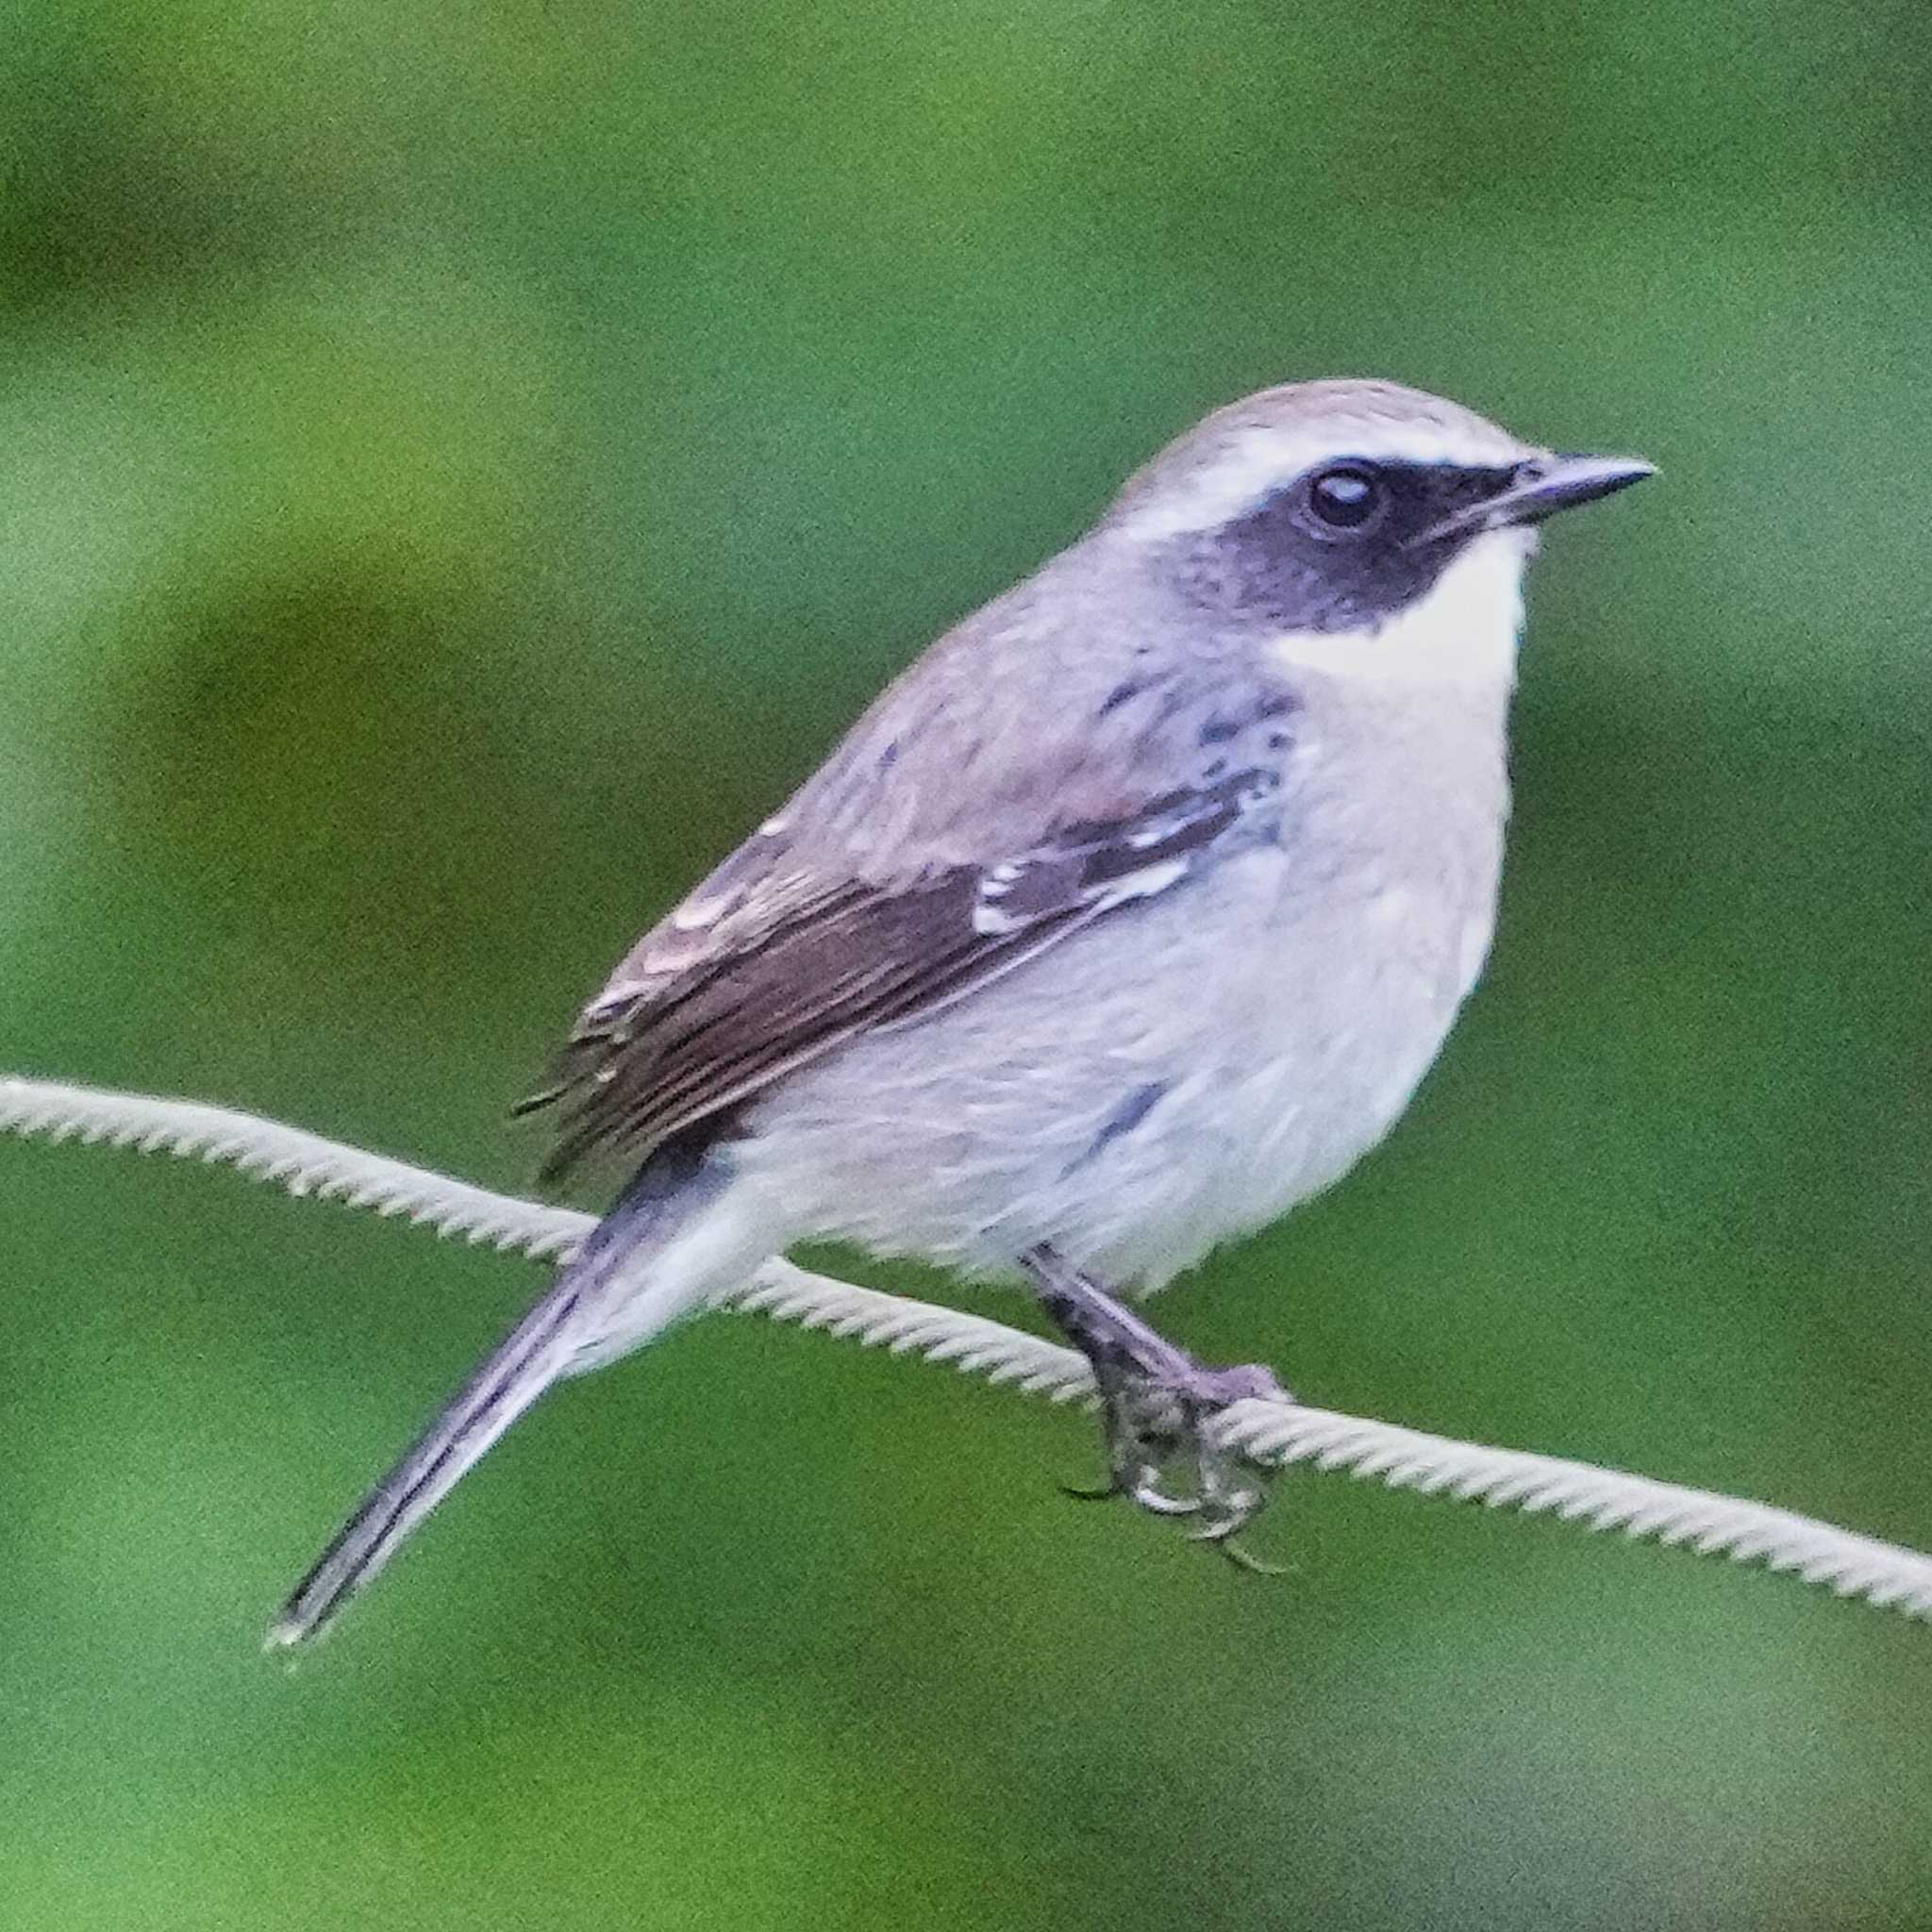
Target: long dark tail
(540,1349)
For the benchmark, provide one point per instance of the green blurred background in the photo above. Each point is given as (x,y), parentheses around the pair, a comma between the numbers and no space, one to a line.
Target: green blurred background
(458,466)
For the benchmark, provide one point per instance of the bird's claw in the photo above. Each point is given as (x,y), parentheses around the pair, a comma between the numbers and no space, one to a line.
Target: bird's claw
(1150,1423)
(1156,1405)
(1082,1493)
(1135,1448)
(1157,1502)
(1144,1489)
(1220,1533)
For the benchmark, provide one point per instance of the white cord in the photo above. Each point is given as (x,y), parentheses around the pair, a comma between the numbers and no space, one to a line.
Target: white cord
(1267,1432)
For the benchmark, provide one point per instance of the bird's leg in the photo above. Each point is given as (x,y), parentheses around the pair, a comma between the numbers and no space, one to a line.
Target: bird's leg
(1154,1399)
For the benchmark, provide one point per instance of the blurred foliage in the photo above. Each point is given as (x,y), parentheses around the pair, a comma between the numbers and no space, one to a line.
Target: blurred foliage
(458,466)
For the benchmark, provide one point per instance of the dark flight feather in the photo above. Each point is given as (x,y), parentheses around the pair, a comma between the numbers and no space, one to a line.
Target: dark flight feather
(769,964)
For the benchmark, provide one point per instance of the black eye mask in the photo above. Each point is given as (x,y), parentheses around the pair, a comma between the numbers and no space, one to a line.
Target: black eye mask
(1344,548)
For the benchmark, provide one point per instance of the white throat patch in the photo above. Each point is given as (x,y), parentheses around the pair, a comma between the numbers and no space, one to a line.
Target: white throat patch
(1463,633)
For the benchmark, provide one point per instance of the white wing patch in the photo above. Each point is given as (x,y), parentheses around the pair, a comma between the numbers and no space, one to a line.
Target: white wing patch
(991,920)
(1094,868)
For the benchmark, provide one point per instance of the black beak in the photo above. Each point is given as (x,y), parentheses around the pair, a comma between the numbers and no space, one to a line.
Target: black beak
(1539,489)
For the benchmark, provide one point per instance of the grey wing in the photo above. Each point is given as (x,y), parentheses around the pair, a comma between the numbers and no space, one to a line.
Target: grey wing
(771,964)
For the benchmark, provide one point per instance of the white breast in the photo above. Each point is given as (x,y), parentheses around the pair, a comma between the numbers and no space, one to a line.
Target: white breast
(1188,1068)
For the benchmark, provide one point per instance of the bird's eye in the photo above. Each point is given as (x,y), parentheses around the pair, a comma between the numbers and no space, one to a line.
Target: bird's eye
(1346,500)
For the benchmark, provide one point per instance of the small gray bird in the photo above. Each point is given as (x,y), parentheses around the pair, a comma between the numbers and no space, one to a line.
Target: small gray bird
(1128,918)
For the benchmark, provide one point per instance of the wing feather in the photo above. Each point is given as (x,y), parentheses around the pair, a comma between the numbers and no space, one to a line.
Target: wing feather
(772,962)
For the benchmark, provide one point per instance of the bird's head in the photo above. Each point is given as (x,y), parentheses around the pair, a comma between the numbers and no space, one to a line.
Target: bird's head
(1357,527)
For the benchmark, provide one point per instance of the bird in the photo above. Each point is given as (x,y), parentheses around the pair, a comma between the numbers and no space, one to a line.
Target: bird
(1126,918)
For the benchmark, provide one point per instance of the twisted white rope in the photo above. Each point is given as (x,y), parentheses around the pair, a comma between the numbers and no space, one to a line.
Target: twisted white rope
(1267,1432)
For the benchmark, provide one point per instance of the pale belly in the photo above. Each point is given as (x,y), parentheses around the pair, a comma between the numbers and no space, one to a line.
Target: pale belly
(1166,1079)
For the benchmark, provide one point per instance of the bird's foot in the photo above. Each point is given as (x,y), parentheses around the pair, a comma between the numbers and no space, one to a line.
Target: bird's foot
(1227,1492)
(1137,1427)
(1156,1405)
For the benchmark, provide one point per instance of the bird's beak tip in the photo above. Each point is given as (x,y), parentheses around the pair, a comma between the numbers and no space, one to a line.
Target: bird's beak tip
(1538,488)
(1613,473)
(1561,482)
